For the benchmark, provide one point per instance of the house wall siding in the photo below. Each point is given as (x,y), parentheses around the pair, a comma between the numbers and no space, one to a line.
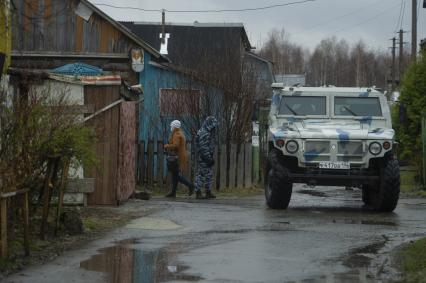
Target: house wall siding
(53,26)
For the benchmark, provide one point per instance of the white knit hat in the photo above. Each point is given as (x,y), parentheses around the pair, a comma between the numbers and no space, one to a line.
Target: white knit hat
(175,124)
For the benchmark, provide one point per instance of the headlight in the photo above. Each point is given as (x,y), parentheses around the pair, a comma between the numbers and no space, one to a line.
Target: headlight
(375,148)
(292,146)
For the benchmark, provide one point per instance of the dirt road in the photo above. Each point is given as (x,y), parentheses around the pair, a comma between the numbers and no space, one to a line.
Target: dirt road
(326,235)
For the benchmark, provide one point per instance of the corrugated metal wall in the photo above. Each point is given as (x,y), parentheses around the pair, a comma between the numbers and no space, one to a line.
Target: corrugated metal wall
(52,25)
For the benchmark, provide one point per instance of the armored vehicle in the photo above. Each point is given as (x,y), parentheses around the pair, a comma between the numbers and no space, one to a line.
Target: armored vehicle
(331,136)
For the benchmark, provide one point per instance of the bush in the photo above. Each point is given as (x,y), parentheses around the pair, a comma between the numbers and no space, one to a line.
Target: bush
(413,98)
(34,127)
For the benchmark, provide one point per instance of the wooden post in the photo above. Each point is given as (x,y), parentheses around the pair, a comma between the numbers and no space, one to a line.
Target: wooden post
(223,172)
(64,180)
(25,217)
(141,163)
(423,135)
(46,197)
(160,164)
(233,166)
(3,227)
(240,167)
(215,169)
(150,163)
(247,165)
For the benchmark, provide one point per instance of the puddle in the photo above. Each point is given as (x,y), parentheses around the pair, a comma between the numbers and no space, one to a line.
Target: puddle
(362,257)
(123,264)
(313,193)
(353,276)
(368,222)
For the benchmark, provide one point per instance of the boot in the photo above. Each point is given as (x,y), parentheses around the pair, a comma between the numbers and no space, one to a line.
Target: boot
(171,195)
(209,195)
(199,195)
(191,191)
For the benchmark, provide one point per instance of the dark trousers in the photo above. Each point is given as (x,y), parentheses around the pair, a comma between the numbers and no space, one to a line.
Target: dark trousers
(178,178)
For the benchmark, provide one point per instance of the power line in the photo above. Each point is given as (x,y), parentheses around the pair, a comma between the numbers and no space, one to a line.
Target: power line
(343,16)
(398,23)
(403,14)
(367,20)
(206,11)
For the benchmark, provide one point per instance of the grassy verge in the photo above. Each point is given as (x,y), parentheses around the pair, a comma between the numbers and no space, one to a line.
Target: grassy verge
(222,193)
(410,186)
(412,261)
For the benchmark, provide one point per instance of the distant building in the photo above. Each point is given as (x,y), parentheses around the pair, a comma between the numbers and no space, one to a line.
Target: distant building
(291,79)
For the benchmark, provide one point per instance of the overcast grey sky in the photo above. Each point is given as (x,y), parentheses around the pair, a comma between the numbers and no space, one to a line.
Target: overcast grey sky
(374,21)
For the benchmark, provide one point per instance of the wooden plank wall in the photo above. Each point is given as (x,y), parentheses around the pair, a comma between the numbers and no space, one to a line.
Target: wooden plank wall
(126,181)
(107,131)
(153,171)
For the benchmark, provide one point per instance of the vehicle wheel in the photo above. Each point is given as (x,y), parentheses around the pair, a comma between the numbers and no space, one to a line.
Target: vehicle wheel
(278,187)
(385,198)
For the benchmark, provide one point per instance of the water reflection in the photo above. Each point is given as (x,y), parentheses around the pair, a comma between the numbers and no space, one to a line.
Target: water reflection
(122,264)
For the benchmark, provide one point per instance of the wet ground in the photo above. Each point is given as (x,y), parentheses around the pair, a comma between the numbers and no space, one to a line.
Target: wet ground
(326,235)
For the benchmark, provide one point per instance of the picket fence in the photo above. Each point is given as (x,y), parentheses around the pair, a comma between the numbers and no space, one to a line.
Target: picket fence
(152,169)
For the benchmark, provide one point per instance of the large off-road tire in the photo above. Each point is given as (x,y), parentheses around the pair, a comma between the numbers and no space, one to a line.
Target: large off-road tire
(385,197)
(278,187)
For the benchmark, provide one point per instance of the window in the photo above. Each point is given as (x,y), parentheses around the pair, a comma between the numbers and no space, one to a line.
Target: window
(179,102)
(357,106)
(303,105)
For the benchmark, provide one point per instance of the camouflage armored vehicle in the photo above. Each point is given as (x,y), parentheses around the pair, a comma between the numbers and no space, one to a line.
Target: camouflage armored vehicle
(333,137)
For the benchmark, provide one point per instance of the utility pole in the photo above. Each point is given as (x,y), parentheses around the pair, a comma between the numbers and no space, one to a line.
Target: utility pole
(401,54)
(414,30)
(393,64)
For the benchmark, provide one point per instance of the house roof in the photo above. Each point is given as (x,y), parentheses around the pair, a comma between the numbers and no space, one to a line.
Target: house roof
(123,29)
(191,39)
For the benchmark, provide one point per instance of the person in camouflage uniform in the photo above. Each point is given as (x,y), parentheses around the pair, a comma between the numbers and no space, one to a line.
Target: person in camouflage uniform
(205,149)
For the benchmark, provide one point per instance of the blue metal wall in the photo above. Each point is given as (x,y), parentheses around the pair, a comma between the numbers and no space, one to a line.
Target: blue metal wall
(153,78)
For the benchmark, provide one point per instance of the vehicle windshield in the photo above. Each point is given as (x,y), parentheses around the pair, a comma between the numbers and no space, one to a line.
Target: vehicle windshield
(303,105)
(357,106)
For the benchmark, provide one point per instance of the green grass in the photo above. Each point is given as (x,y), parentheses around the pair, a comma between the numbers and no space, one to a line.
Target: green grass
(412,261)
(409,184)
(94,223)
(224,193)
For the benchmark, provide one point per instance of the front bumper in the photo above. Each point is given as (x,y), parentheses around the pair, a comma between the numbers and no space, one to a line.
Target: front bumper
(319,177)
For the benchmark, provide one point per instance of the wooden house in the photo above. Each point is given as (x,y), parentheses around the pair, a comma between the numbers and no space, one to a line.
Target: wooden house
(65,39)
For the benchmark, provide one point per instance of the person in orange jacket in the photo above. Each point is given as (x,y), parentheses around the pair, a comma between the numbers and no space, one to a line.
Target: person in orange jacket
(177,146)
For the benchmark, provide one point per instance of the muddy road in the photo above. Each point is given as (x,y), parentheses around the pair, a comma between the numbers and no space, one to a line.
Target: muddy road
(326,235)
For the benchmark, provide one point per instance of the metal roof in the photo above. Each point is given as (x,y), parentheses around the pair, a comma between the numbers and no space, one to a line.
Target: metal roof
(331,89)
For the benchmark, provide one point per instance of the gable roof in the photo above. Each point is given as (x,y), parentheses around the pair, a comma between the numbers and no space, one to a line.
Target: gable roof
(123,29)
(191,38)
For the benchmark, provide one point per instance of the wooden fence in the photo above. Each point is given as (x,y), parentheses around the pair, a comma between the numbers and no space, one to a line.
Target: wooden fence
(423,137)
(152,169)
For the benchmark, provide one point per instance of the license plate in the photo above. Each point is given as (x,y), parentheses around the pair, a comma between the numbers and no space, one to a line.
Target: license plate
(334,165)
